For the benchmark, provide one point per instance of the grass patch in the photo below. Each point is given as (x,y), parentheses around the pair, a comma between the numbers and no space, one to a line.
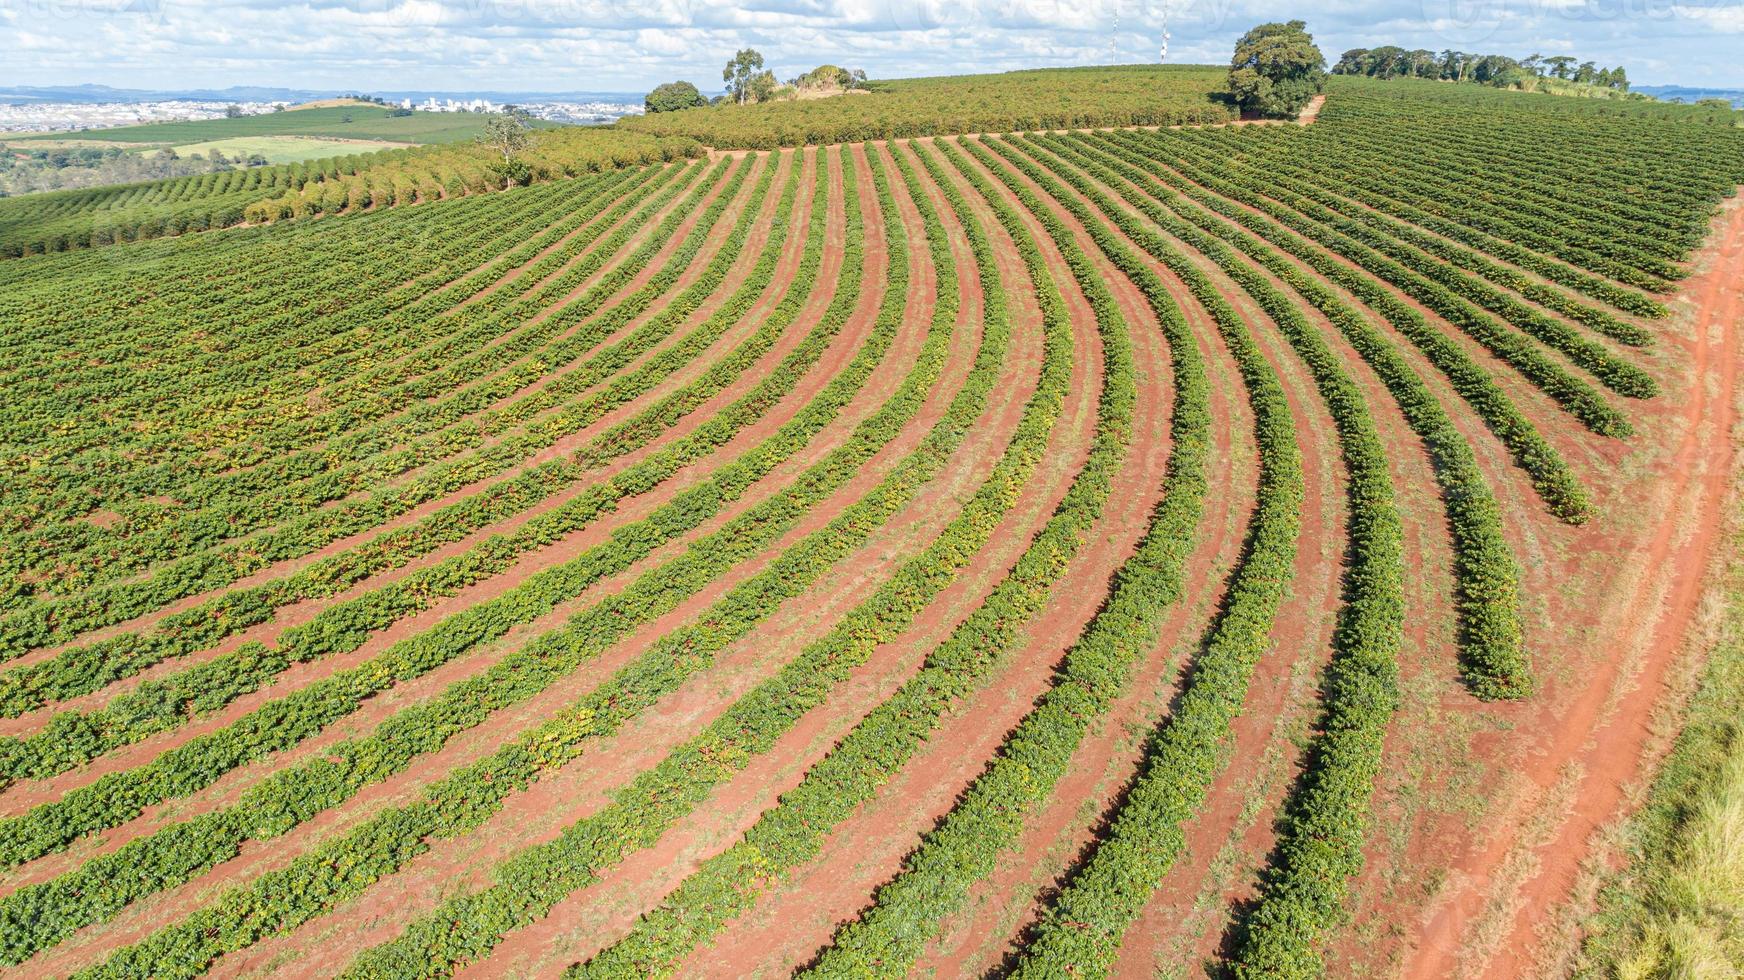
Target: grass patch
(1677,908)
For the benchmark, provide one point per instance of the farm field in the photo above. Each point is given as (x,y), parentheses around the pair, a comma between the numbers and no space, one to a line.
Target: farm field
(361,121)
(282,149)
(1080,552)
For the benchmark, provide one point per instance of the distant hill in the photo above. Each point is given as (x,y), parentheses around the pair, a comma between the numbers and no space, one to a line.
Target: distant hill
(1682,93)
(354,122)
(255,93)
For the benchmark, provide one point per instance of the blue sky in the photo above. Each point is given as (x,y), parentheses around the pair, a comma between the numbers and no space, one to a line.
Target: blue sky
(554,45)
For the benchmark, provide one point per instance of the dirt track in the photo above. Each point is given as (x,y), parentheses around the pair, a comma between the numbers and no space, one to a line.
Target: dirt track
(1590,749)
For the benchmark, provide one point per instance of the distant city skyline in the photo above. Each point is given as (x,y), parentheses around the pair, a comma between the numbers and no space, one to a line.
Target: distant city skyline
(590,45)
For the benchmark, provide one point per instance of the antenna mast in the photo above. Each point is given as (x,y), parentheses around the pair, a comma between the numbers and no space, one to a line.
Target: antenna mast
(1114,37)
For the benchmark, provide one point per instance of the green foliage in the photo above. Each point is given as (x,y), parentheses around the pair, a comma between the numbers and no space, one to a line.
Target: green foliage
(1671,908)
(507,133)
(870,755)
(746,80)
(367,122)
(673,96)
(1276,69)
(1054,98)
(66,220)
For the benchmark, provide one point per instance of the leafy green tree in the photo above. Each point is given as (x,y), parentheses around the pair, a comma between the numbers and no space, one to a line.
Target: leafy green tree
(1389,61)
(1619,79)
(509,132)
(741,74)
(673,96)
(824,76)
(762,87)
(1276,69)
(1587,73)
(1352,62)
(1560,65)
(232,111)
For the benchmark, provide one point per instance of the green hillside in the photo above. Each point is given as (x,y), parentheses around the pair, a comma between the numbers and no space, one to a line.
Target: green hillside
(1063,98)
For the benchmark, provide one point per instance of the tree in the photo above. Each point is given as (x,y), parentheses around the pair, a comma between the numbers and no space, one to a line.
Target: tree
(1619,79)
(1276,69)
(763,86)
(674,96)
(741,72)
(232,111)
(1455,65)
(1532,63)
(1352,62)
(1559,65)
(1587,73)
(1389,61)
(1496,69)
(508,133)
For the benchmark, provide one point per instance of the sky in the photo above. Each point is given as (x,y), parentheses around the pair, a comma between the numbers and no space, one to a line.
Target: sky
(631,45)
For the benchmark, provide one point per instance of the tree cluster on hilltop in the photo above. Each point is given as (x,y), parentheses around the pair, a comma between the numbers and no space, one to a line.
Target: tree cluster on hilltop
(1390,61)
(747,81)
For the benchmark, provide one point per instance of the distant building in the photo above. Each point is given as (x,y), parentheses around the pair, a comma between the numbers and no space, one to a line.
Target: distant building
(406,103)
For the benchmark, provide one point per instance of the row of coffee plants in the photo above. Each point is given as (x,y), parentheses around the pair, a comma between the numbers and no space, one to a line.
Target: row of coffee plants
(1485,574)
(1081,930)
(1127,95)
(293,503)
(462,801)
(34,224)
(1576,395)
(291,796)
(204,478)
(50,621)
(71,738)
(534,879)
(875,750)
(1551,476)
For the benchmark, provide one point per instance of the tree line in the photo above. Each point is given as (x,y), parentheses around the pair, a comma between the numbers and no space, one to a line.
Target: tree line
(1390,61)
(748,81)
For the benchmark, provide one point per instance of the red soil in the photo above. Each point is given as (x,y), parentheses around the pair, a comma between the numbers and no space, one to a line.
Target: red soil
(1597,727)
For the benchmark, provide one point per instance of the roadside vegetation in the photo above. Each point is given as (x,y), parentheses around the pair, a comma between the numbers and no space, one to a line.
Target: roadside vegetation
(1676,907)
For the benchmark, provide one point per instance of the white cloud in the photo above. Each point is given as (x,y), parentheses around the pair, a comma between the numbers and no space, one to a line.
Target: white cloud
(1725,19)
(601,45)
